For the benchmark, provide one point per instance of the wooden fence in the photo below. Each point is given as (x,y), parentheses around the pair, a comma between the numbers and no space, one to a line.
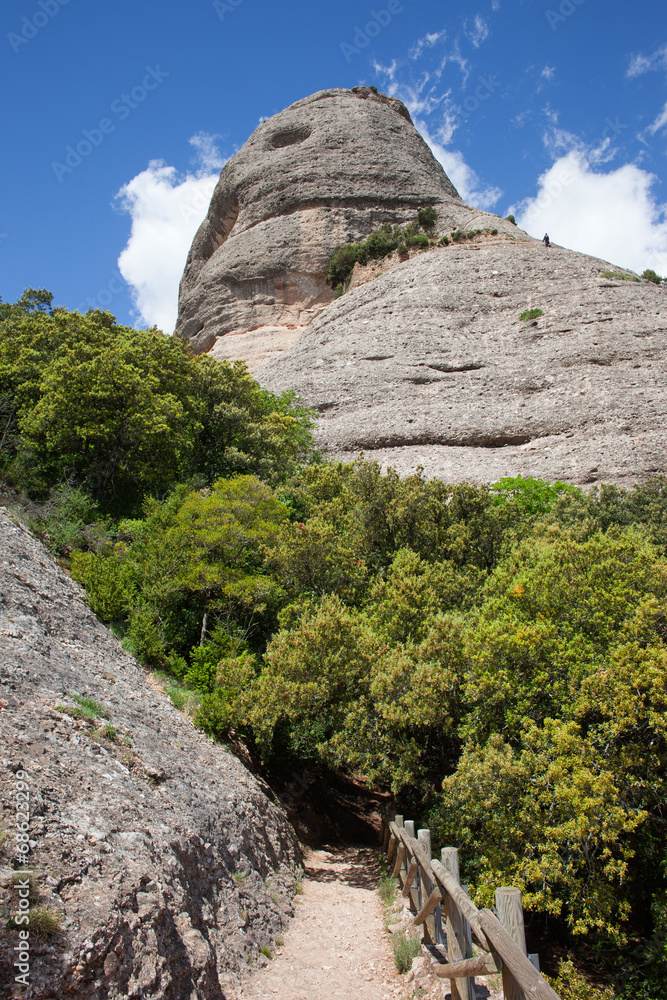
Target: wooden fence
(451,922)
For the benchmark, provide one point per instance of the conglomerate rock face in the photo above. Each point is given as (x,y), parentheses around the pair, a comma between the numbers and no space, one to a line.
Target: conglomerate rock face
(327,170)
(167,863)
(423,361)
(429,364)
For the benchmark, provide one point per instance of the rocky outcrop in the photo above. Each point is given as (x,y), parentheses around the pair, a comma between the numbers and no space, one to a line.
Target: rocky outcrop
(162,857)
(429,364)
(423,361)
(329,169)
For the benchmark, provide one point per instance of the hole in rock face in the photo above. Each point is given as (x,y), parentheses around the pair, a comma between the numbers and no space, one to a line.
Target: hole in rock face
(290,136)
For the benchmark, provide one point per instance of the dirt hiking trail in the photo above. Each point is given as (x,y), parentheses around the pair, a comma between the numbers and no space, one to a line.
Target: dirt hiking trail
(336,948)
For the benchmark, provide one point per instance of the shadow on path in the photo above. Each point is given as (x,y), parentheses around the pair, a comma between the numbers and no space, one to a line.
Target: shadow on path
(354,866)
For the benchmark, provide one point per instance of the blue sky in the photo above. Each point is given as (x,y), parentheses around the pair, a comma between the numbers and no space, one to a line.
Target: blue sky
(118,117)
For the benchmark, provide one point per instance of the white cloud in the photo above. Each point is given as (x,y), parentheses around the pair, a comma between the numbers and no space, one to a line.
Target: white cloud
(166,210)
(641,64)
(479,32)
(208,156)
(660,121)
(428,41)
(461,174)
(611,215)
(548,73)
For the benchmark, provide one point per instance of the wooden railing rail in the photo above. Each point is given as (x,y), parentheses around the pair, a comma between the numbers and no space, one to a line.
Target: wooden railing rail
(434,892)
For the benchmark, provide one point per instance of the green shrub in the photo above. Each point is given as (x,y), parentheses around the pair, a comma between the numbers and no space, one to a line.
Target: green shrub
(569,984)
(420,241)
(427,218)
(69,519)
(378,245)
(530,314)
(510,218)
(444,242)
(620,276)
(406,950)
(110,589)
(650,275)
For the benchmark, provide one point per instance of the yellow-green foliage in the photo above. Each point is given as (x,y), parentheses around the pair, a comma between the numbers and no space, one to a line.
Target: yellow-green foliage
(571,985)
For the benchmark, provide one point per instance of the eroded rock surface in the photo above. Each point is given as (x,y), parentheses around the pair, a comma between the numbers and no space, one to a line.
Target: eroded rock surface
(168,863)
(327,170)
(429,364)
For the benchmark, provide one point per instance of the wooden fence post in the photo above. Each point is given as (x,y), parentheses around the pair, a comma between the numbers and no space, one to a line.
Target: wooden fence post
(461,989)
(429,936)
(412,894)
(510,914)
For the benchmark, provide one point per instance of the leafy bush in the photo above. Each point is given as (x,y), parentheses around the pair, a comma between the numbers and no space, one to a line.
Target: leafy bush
(650,275)
(420,241)
(571,985)
(427,218)
(377,246)
(109,584)
(530,314)
(534,496)
(510,218)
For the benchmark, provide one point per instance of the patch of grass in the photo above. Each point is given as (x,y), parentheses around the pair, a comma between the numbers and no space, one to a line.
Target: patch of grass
(184,698)
(405,950)
(620,275)
(239,876)
(387,889)
(89,708)
(44,922)
(530,314)
(128,759)
(279,942)
(298,887)
(109,732)
(266,951)
(387,885)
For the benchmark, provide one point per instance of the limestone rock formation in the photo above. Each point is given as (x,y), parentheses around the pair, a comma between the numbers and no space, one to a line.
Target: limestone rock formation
(429,364)
(167,862)
(327,170)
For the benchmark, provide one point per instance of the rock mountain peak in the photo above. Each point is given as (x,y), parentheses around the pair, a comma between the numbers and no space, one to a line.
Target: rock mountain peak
(426,359)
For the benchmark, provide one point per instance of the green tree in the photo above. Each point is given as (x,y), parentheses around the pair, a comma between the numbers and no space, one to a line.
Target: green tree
(547,817)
